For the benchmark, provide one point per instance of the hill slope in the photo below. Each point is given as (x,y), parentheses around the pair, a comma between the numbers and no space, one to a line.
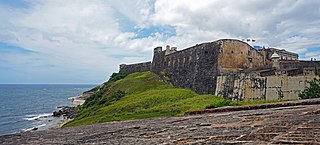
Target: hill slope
(143,95)
(139,95)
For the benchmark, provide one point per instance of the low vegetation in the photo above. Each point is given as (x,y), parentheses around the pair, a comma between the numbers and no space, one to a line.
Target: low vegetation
(313,91)
(143,95)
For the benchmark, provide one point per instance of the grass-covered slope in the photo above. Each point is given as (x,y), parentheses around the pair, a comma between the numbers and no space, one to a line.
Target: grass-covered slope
(139,95)
(142,95)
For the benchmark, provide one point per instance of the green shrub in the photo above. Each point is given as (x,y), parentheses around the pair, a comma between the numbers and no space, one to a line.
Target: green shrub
(100,92)
(110,99)
(313,91)
(117,76)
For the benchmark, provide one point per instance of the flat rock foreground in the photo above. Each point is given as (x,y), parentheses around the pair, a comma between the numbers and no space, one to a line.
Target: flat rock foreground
(299,124)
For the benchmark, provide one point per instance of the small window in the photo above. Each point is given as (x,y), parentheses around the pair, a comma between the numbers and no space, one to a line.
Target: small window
(231,51)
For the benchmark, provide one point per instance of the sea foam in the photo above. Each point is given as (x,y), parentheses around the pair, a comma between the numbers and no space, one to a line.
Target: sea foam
(38,116)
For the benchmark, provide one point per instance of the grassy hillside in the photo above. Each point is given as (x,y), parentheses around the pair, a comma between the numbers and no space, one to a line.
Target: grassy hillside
(141,95)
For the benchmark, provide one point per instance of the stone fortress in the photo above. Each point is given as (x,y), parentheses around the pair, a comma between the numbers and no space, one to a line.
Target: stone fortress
(232,69)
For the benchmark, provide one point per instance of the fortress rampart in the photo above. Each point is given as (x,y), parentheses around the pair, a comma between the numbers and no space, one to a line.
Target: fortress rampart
(190,68)
(231,68)
(138,67)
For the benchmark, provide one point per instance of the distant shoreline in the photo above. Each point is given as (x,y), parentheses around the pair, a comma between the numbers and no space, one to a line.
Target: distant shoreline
(31,106)
(75,102)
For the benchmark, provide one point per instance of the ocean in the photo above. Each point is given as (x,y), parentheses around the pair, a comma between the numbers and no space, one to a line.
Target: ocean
(25,106)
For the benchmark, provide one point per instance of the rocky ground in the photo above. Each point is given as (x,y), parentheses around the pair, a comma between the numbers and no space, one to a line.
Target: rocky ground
(299,124)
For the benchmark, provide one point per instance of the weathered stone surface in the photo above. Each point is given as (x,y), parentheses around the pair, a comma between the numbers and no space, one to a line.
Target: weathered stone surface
(194,68)
(138,67)
(197,67)
(284,125)
(300,64)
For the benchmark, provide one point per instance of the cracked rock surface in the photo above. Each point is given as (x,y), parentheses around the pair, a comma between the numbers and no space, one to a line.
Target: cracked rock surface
(284,125)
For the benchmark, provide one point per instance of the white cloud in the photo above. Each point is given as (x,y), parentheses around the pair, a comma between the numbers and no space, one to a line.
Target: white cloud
(72,36)
(88,37)
(271,23)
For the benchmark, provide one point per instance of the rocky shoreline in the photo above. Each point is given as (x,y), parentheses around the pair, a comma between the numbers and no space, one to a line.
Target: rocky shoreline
(69,112)
(65,111)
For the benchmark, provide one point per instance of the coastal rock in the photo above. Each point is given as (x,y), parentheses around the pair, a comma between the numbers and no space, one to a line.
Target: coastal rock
(57,113)
(68,112)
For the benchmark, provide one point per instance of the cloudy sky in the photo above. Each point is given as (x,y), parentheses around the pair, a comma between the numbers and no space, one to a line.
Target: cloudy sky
(81,41)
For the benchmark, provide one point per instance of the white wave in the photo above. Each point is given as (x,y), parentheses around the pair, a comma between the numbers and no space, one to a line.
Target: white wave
(38,116)
(41,125)
(32,115)
(72,98)
(28,129)
(33,128)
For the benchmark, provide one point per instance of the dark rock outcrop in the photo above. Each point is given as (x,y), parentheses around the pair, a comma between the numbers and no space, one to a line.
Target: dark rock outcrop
(68,112)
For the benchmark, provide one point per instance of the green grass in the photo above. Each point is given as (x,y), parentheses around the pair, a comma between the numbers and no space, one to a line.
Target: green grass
(146,96)
(143,95)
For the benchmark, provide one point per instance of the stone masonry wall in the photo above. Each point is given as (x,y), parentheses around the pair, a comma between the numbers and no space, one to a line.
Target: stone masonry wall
(235,55)
(138,67)
(240,86)
(193,68)
(197,67)
(299,64)
(251,86)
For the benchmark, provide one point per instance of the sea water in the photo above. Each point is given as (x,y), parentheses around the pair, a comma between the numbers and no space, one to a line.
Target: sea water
(27,106)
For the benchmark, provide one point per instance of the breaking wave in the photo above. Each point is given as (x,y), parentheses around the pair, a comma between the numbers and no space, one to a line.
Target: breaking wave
(38,116)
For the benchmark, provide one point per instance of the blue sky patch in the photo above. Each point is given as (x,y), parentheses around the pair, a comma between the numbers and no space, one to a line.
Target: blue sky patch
(296,36)
(314,49)
(126,24)
(7,48)
(257,47)
(302,56)
(15,3)
(166,30)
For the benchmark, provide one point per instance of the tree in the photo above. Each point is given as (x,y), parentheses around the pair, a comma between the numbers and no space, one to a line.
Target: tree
(313,91)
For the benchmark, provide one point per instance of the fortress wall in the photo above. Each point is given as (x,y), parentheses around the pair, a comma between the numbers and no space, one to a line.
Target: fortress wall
(158,64)
(194,68)
(235,55)
(138,67)
(258,60)
(299,64)
(286,87)
(230,68)
(241,86)
(251,86)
